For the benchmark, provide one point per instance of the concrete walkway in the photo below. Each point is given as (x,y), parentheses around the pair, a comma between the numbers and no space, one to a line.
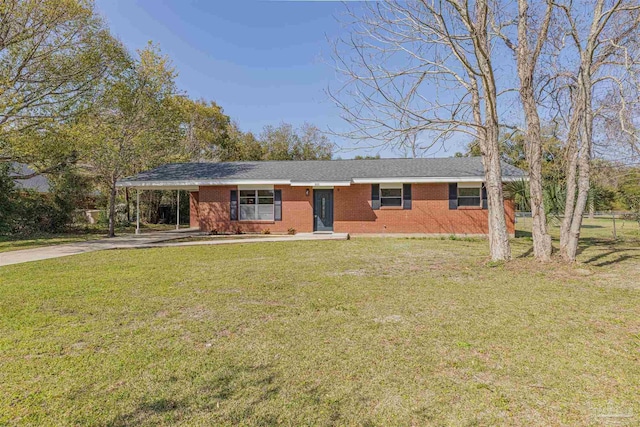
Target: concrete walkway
(158,239)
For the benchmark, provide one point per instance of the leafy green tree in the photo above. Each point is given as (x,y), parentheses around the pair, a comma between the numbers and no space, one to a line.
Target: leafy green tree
(512,151)
(284,142)
(313,145)
(240,146)
(70,189)
(48,149)
(367,157)
(205,129)
(53,55)
(136,124)
(7,206)
(27,211)
(629,191)
(554,194)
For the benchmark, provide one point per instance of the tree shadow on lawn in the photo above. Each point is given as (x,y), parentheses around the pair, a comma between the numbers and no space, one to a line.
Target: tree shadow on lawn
(233,383)
(617,260)
(526,254)
(623,254)
(607,248)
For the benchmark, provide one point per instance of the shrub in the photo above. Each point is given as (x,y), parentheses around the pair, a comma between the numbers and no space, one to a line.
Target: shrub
(631,216)
(291,231)
(7,199)
(266,231)
(103,217)
(30,212)
(121,216)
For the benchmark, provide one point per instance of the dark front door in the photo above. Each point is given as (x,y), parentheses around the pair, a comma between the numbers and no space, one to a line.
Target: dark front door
(323,210)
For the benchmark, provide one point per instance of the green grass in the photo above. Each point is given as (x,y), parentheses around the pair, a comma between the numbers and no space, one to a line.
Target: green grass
(361,332)
(14,243)
(225,237)
(600,228)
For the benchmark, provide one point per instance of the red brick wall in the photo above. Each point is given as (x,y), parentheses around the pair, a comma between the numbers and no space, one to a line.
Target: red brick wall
(429,213)
(214,206)
(352,212)
(194,216)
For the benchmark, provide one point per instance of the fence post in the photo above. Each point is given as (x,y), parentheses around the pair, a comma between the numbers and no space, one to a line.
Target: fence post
(615,235)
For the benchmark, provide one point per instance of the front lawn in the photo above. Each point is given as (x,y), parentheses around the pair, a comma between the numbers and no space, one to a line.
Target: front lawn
(361,332)
(599,228)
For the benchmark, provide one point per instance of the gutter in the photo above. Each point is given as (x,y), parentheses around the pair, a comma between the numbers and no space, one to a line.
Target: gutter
(194,184)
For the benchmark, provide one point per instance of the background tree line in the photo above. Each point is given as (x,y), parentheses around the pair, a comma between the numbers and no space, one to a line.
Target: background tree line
(78,107)
(615,185)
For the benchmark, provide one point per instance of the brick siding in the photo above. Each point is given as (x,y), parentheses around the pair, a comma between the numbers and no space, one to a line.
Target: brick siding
(194,208)
(210,209)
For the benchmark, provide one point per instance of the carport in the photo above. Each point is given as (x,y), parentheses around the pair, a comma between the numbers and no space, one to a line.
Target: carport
(150,186)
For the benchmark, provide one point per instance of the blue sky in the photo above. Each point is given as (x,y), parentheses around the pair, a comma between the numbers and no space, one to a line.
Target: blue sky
(264,62)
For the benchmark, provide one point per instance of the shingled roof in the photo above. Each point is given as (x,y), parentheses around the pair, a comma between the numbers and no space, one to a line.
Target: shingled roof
(318,172)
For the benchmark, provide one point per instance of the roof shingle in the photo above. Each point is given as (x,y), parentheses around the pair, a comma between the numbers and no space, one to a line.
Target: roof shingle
(321,170)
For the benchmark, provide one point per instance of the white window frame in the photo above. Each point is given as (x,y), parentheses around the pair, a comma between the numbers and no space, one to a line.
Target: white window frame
(477,185)
(256,205)
(391,186)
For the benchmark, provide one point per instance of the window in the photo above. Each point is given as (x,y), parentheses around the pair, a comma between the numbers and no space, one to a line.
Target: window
(469,196)
(391,196)
(256,205)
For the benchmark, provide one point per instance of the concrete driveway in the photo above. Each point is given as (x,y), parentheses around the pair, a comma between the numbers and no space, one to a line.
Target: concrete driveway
(157,239)
(122,242)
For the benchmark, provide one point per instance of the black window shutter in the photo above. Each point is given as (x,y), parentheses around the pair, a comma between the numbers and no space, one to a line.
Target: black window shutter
(277,205)
(406,196)
(453,196)
(485,205)
(233,209)
(375,196)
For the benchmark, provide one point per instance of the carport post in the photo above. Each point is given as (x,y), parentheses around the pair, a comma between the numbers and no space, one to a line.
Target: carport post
(178,210)
(137,211)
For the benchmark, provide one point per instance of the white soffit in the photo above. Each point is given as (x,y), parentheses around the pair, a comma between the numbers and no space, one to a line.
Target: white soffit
(200,183)
(194,184)
(427,180)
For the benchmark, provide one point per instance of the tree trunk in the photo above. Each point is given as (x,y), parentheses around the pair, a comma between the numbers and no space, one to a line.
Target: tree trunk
(112,209)
(533,152)
(126,196)
(539,231)
(581,125)
(581,202)
(584,178)
(572,172)
(578,190)
(526,61)
(498,235)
